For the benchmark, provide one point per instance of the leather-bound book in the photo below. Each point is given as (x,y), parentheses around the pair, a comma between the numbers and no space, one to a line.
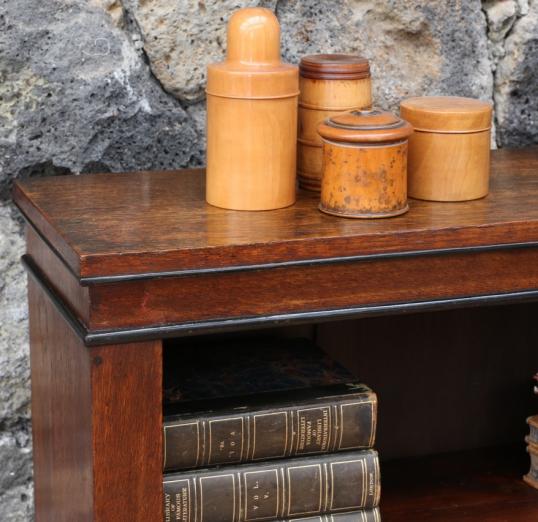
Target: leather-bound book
(278,399)
(531,477)
(281,489)
(362,515)
(533,434)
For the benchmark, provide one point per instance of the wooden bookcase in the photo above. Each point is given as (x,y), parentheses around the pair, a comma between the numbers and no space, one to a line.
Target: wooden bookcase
(118,263)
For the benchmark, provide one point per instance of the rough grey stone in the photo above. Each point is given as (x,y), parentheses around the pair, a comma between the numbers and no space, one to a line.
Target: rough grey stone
(15,443)
(516,81)
(76,92)
(17,504)
(181,38)
(415,47)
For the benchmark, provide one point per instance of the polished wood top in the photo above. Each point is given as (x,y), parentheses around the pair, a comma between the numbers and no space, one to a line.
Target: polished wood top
(151,222)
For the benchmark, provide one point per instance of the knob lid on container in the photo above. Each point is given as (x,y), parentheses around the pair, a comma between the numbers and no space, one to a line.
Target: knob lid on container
(364,126)
(253,67)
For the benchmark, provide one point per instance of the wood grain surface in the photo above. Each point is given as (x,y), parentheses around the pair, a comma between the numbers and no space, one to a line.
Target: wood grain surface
(112,224)
(97,424)
(480,485)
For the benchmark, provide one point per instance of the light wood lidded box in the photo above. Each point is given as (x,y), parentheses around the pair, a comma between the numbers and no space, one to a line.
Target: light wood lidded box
(329,84)
(364,164)
(252,118)
(449,152)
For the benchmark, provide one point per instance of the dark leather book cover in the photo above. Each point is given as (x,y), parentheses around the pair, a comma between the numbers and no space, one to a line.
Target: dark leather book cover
(322,414)
(533,424)
(363,515)
(531,477)
(282,489)
(241,367)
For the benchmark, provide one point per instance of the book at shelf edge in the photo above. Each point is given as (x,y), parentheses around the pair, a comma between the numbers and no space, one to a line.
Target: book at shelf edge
(533,425)
(325,419)
(531,477)
(283,489)
(361,515)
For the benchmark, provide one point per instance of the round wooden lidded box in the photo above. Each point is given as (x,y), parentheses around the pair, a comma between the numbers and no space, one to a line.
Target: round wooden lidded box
(329,84)
(364,164)
(252,118)
(449,152)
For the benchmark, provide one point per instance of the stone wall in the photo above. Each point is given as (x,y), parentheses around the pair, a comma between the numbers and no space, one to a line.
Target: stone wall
(108,85)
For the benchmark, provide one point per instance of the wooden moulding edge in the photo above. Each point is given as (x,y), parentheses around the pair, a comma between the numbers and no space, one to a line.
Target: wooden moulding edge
(153,332)
(118,278)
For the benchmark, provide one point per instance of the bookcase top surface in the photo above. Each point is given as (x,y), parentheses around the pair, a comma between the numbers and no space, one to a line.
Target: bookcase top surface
(129,224)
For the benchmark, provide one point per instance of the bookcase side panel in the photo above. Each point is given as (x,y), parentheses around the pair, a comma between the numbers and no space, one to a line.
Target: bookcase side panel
(61,415)
(127,431)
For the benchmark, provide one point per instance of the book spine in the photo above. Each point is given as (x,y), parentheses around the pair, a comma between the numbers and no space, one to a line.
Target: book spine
(532,476)
(292,488)
(533,435)
(363,515)
(313,427)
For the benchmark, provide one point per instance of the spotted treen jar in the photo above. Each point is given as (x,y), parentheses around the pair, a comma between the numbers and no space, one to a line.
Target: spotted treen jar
(364,173)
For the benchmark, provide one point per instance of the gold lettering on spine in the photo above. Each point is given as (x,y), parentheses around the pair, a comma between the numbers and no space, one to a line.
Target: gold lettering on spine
(178,508)
(226,449)
(313,432)
(261,494)
(195,501)
(377,482)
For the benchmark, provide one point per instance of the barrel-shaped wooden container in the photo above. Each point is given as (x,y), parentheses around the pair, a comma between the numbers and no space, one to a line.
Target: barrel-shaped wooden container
(364,164)
(252,118)
(449,152)
(329,84)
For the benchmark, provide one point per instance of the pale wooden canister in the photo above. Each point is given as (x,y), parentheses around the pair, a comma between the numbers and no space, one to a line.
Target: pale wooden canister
(252,118)
(364,164)
(329,84)
(449,152)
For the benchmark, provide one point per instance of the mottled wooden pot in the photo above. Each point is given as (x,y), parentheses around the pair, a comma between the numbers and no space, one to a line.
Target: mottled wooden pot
(252,118)
(449,152)
(330,84)
(364,164)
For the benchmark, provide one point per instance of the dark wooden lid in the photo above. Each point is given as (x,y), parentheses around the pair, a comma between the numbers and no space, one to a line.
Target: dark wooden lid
(365,126)
(334,67)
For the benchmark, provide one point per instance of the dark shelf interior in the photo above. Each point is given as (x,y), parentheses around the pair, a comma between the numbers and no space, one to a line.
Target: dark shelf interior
(448,382)
(479,485)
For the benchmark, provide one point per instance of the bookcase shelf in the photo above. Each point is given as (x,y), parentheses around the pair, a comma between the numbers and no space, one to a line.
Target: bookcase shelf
(466,486)
(120,262)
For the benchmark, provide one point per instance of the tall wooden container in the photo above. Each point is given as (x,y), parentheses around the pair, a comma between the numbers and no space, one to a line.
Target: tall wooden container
(329,84)
(450,149)
(252,118)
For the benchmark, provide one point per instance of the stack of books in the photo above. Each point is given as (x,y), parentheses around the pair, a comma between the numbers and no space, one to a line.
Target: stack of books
(273,430)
